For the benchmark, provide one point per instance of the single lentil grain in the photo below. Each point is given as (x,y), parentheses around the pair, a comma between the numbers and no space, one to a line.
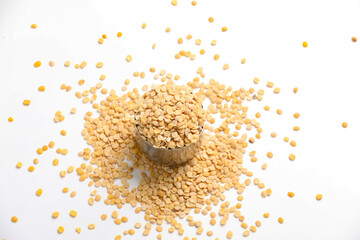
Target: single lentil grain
(318,197)
(14,219)
(60,229)
(39,192)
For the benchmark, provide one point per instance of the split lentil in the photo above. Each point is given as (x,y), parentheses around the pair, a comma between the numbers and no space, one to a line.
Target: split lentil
(39,192)
(60,230)
(55,214)
(73,213)
(318,197)
(14,219)
(37,64)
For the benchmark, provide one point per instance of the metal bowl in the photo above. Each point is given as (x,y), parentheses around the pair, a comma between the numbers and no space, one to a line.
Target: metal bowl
(168,157)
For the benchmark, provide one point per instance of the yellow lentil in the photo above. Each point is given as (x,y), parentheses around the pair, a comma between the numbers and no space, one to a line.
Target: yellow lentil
(305,44)
(55,162)
(41,89)
(229,235)
(37,64)
(39,192)
(292,157)
(266,215)
(99,65)
(62,173)
(19,165)
(280,220)
(119,34)
(211,19)
(344,125)
(91,226)
(270,84)
(318,197)
(60,229)
(73,213)
(55,214)
(117,221)
(14,219)
(264,166)
(124,219)
(33,26)
(224,29)
(73,194)
(26,102)
(78,230)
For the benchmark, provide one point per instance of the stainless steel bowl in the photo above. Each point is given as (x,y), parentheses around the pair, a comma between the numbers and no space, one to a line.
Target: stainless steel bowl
(168,157)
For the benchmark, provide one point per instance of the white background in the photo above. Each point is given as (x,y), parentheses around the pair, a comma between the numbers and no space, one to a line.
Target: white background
(269,34)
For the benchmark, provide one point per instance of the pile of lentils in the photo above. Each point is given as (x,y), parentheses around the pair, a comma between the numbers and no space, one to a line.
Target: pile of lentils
(170,116)
(165,193)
